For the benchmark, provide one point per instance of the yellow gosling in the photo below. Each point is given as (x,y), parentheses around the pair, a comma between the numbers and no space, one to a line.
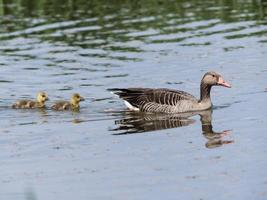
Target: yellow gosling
(73,104)
(42,97)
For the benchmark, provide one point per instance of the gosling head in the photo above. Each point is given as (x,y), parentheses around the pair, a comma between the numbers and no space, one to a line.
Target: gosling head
(42,97)
(213,78)
(76,98)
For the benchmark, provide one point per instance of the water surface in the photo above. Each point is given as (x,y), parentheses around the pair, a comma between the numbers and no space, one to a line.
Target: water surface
(63,47)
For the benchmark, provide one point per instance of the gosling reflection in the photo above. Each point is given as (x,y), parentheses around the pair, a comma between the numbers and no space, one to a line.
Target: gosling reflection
(139,123)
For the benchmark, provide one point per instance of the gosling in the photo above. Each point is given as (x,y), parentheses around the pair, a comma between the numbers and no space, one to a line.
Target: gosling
(42,97)
(73,104)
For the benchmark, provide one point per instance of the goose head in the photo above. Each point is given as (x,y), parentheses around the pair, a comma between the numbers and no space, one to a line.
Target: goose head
(210,79)
(42,97)
(214,79)
(75,99)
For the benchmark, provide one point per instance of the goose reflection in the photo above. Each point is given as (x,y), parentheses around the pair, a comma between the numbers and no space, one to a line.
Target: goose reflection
(133,122)
(215,139)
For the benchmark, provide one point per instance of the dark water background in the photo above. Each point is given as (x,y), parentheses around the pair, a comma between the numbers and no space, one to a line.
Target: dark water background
(83,46)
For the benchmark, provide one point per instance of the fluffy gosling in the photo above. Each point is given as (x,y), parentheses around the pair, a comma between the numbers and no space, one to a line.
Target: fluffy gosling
(42,97)
(73,104)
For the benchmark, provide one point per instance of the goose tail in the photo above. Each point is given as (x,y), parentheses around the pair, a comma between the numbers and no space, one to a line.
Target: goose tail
(127,95)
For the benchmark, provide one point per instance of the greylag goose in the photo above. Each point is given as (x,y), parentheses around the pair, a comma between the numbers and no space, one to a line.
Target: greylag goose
(42,97)
(73,104)
(164,100)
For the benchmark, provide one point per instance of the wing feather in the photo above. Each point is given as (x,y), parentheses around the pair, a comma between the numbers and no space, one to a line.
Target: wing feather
(153,100)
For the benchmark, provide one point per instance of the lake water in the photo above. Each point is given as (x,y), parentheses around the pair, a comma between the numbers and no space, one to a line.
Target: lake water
(82,46)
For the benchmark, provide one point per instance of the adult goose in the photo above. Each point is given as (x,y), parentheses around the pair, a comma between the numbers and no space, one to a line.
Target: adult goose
(164,100)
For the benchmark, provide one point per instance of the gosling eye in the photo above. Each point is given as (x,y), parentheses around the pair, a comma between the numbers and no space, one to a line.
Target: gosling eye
(43,96)
(213,75)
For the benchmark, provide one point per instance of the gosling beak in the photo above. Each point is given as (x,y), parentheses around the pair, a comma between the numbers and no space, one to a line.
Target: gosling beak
(47,99)
(223,82)
(82,99)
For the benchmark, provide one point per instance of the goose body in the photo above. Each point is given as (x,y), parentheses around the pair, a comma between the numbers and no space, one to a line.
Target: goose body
(61,105)
(165,100)
(31,104)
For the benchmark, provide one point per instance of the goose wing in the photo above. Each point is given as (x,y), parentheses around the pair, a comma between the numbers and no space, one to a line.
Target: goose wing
(155,100)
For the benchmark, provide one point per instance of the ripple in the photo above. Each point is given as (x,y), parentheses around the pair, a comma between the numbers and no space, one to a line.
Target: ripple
(227,49)
(103,99)
(66,88)
(31,68)
(64,74)
(196,44)
(251,34)
(174,83)
(45,27)
(116,75)
(140,20)
(5,81)
(90,85)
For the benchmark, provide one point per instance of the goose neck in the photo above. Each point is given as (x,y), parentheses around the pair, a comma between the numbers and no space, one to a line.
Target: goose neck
(204,92)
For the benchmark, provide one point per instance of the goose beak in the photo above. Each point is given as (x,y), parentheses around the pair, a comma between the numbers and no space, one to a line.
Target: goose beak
(223,83)
(82,99)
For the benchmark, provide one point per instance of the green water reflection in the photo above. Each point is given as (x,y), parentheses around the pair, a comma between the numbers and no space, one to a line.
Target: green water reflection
(112,20)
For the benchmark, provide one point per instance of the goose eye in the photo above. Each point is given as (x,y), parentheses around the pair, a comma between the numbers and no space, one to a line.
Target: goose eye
(213,75)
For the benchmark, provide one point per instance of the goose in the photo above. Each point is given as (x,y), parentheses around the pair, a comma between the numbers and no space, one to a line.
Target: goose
(42,97)
(73,104)
(165,100)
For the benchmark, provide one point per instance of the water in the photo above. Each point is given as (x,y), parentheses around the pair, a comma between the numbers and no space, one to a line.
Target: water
(63,47)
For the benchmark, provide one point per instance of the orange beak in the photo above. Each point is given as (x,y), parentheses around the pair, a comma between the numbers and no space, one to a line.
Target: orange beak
(223,82)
